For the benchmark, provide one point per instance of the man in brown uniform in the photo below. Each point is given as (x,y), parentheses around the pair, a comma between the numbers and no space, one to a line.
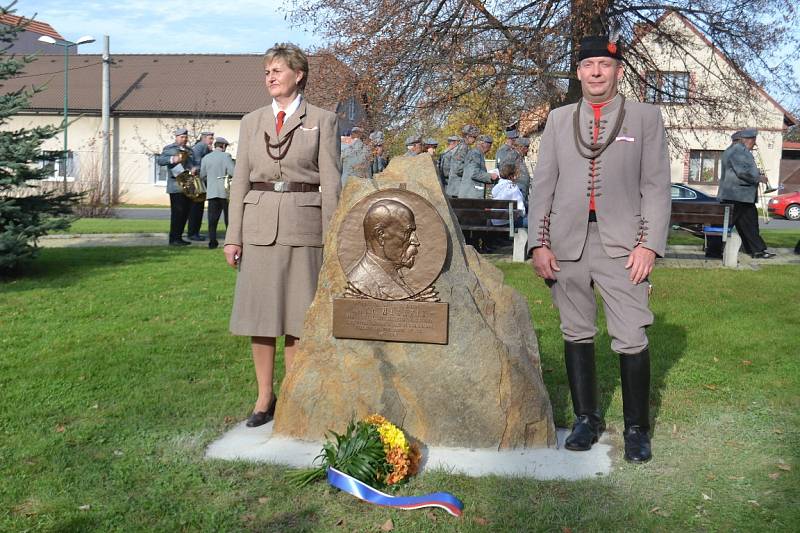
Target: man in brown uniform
(600,207)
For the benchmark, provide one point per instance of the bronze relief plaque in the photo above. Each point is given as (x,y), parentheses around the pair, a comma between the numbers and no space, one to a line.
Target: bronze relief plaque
(392,246)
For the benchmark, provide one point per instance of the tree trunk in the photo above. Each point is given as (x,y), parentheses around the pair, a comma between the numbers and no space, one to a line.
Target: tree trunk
(588,18)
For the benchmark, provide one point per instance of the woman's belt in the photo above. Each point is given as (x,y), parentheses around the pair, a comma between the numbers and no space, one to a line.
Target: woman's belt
(284,186)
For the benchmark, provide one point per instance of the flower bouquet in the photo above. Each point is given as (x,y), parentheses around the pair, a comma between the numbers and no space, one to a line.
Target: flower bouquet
(373,451)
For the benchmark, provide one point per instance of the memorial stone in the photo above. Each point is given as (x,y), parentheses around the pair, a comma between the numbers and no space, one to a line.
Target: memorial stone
(411,323)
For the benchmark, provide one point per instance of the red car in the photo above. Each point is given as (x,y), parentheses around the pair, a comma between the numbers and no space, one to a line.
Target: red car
(785,205)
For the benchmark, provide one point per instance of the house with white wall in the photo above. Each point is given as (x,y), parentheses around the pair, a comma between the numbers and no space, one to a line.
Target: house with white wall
(151,95)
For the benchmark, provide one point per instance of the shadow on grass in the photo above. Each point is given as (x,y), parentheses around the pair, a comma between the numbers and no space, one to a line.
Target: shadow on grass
(667,346)
(59,267)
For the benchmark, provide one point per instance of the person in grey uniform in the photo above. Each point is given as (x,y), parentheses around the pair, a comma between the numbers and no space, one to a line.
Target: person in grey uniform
(470,134)
(521,147)
(413,146)
(379,160)
(475,178)
(599,216)
(179,204)
(444,160)
(356,159)
(738,184)
(214,168)
(202,148)
(506,151)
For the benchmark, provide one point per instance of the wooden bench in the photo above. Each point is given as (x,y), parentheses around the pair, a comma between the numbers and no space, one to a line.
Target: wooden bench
(697,217)
(475,216)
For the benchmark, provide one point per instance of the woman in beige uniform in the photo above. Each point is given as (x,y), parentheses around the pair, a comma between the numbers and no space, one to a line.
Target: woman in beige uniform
(284,191)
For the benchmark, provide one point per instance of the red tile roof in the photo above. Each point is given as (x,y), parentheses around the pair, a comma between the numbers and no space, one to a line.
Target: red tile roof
(34,26)
(175,84)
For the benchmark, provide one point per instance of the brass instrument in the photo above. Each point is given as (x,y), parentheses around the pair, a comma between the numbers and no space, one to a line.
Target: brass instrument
(191,184)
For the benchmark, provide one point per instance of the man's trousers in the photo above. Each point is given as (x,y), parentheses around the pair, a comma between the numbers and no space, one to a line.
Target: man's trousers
(179,206)
(626,304)
(216,206)
(195,218)
(745,219)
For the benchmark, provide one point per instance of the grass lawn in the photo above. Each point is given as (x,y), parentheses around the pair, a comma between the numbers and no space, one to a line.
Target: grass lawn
(116,371)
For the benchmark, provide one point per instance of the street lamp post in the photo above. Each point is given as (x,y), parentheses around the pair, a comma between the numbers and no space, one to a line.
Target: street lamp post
(86,39)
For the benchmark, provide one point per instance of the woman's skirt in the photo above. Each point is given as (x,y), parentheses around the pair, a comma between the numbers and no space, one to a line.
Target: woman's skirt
(274,288)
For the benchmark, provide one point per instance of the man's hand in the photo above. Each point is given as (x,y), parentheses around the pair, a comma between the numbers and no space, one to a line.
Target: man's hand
(544,263)
(233,253)
(640,263)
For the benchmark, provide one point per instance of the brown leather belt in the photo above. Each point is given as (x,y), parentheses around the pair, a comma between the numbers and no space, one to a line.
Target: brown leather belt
(284,186)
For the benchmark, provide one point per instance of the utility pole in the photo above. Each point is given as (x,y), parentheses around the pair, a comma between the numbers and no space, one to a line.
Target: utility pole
(105,168)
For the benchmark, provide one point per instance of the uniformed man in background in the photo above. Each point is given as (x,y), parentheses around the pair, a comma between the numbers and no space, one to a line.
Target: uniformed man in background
(215,168)
(738,184)
(356,158)
(201,148)
(444,159)
(379,160)
(470,134)
(179,204)
(476,177)
(413,146)
(507,149)
(521,147)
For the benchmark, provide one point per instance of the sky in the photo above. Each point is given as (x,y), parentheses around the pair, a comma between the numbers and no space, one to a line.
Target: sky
(152,26)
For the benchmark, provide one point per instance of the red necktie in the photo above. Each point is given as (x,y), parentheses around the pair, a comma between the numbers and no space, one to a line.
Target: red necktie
(279,125)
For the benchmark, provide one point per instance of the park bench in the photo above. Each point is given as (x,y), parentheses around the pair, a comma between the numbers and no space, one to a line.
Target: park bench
(475,217)
(709,221)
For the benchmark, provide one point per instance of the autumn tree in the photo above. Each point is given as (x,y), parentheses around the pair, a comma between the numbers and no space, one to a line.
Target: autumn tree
(422,57)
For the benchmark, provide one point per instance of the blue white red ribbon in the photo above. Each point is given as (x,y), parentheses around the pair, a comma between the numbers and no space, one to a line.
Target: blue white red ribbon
(361,490)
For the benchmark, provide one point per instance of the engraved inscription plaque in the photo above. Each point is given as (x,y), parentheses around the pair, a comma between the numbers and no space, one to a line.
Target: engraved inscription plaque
(392,246)
(404,321)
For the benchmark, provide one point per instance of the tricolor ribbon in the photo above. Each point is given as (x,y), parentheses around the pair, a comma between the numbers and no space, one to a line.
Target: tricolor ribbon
(361,490)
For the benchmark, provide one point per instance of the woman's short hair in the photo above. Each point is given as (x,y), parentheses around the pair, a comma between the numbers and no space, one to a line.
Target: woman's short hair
(508,170)
(293,56)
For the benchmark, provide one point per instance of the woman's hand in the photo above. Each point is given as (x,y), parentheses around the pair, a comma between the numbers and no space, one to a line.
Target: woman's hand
(233,254)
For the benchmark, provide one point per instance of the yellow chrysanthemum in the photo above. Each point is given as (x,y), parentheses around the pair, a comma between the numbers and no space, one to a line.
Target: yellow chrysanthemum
(392,437)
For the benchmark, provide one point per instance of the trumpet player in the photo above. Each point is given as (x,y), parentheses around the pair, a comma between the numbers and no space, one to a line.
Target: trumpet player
(177,157)
(738,184)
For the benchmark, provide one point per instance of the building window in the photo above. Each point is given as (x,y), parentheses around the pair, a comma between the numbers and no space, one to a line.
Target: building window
(666,87)
(54,166)
(704,166)
(351,110)
(158,174)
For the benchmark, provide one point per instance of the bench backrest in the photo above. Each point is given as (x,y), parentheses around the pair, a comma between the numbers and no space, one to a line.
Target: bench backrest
(698,213)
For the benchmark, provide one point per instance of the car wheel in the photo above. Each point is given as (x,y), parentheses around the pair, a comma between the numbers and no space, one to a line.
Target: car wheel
(793,212)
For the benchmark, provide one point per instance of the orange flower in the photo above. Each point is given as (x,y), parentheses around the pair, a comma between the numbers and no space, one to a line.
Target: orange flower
(400,463)
(375,420)
(612,48)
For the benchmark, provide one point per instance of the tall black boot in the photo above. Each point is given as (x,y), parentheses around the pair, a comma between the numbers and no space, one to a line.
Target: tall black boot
(635,373)
(582,376)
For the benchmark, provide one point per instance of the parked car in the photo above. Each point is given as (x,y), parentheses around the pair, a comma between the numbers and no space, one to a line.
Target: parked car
(683,193)
(785,205)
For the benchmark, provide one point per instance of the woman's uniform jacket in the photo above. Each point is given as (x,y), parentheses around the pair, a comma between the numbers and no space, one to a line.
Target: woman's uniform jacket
(293,218)
(631,183)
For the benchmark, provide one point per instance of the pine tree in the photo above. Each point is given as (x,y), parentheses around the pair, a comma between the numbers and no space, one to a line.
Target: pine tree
(27,210)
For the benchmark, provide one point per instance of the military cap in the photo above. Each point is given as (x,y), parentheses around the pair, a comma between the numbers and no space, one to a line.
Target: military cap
(470,130)
(485,139)
(522,141)
(511,131)
(413,139)
(431,142)
(221,140)
(598,46)
(181,131)
(747,133)
(453,138)
(356,129)
(376,137)
(204,133)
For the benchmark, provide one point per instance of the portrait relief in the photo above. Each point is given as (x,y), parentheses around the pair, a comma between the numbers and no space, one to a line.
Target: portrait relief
(392,246)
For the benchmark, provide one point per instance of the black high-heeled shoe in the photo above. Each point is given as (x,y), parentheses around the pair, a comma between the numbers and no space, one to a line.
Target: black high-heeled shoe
(259,418)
